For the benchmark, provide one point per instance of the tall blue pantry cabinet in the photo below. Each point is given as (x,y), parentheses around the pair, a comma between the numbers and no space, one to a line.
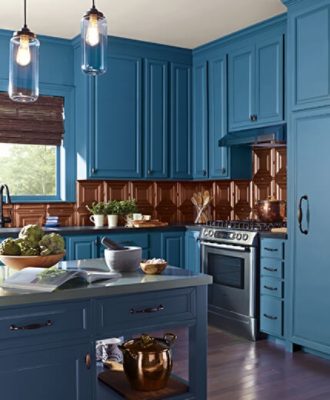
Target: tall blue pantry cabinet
(308,173)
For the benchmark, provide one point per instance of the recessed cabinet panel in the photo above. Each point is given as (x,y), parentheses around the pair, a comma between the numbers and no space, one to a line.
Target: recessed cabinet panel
(241,86)
(82,247)
(116,143)
(156,118)
(310,35)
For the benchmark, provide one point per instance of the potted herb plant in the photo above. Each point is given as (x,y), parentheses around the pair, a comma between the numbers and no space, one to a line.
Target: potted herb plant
(112,210)
(126,209)
(97,209)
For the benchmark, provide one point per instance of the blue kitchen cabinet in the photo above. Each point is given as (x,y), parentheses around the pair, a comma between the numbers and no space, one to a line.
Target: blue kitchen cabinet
(200,120)
(308,50)
(81,247)
(156,127)
(172,248)
(192,251)
(181,121)
(255,76)
(46,372)
(116,120)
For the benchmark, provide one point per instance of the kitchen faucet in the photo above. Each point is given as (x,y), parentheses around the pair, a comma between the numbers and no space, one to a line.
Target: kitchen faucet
(4,220)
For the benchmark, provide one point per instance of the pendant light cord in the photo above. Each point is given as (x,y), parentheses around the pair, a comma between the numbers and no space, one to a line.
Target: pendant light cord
(25,14)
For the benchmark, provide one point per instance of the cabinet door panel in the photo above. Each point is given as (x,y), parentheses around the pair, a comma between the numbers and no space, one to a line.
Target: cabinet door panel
(82,247)
(156,118)
(310,32)
(218,156)
(311,274)
(172,248)
(200,128)
(44,373)
(241,72)
(269,81)
(180,121)
(192,252)
(116,141)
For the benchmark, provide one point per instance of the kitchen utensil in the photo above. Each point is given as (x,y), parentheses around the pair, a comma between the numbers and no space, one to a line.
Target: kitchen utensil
(148,361)
(271,210)
(20,262)
(111,245)
(127,260)
(152,268)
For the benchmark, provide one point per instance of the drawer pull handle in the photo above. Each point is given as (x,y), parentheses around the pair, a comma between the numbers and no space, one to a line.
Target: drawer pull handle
(270,269)
(270,249)
(31,327)
(147,310)
(88,361)
(270,288)
(270,317)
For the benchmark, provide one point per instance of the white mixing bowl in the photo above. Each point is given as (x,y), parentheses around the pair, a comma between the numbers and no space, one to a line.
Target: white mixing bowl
(127,260)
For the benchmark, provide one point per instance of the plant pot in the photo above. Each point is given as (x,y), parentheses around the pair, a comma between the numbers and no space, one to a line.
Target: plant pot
(98,220)
(112,221)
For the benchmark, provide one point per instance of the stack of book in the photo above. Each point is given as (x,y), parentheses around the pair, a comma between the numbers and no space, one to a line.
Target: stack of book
(52,221)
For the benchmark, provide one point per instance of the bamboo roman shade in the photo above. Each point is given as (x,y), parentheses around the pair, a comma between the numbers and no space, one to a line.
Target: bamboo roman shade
(41,122)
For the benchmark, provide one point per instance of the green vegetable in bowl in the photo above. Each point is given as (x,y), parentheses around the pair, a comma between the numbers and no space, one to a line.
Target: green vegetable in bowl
(10,247)
(52,243)
(31,234)
(26,248)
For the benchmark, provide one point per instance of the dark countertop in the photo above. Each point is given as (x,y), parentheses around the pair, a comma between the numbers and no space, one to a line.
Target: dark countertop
(90,230)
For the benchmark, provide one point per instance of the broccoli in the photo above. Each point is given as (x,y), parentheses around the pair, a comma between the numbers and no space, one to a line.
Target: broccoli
(10,247)
(26,248)
(31,234)
(52,243)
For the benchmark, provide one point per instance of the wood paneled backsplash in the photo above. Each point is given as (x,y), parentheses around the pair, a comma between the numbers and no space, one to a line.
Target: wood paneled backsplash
(169,200)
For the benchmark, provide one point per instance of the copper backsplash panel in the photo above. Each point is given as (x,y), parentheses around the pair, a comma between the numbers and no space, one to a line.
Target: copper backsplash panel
(170,200)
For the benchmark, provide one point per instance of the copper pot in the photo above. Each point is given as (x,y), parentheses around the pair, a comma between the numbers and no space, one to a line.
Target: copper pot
(271,210)
(148,361)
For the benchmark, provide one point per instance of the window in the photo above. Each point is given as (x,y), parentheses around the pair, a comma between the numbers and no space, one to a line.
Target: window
(30,143)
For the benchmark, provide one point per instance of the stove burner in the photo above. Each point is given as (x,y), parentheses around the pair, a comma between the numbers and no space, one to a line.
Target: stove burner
(246,225)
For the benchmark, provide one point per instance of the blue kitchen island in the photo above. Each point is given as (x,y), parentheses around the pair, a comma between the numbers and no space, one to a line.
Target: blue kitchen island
(47,340)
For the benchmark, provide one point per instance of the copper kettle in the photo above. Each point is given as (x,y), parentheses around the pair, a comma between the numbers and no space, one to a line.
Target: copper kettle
(148,361)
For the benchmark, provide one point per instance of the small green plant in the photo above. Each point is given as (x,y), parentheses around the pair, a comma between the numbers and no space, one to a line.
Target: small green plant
(127,207)
(112,208)
(96,208)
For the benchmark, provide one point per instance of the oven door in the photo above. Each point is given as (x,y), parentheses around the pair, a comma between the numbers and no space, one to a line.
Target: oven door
(233,269)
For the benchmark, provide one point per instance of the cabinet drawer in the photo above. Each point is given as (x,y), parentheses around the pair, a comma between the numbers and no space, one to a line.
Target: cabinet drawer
(143,309)
(272,267)
(66,318)
(271,315)
(271,286)
(272,248)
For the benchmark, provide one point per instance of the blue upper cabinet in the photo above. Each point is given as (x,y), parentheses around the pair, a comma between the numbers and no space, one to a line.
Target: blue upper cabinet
(309,45)
(200,121)
(241,84)
(181,121)
(156,119)
(116,137)
(217,91)
(255,75)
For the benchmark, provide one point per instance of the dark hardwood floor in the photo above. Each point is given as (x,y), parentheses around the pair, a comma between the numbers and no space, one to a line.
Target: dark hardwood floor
(243,370)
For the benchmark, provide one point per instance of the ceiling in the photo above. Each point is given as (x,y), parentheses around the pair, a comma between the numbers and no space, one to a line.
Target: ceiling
(184,23)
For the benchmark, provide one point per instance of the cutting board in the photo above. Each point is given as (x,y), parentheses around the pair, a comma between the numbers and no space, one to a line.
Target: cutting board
(116,379)
(279,230)
(148,224)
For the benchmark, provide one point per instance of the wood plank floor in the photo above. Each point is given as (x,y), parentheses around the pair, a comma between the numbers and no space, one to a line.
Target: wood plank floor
(243,370)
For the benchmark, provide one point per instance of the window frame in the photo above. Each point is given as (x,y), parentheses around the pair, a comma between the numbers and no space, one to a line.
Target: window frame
(65,154)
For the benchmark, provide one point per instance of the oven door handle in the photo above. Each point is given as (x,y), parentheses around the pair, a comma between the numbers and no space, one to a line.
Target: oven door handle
(224,246)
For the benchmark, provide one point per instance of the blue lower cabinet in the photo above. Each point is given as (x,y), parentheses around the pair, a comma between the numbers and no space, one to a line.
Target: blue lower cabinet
(81,247)
(192,251)
(172,248)
(51,373)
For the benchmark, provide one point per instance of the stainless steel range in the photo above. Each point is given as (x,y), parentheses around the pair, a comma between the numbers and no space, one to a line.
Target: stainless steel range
(230,253)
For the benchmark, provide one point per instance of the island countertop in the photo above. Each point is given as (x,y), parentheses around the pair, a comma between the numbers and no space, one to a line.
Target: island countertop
(128,283)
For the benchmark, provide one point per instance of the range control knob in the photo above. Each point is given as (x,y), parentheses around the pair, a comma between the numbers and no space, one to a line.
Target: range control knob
(206,232)
(232,236)
(211,233)
(245,236)
(238,236)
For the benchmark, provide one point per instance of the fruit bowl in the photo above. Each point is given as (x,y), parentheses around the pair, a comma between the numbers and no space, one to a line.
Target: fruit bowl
(20,262)
(150,268)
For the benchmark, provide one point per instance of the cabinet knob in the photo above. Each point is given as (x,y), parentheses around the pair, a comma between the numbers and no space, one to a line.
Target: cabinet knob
(88,361)
(223,171)
(93,170)
(204,172)
(253,117)
(149,172)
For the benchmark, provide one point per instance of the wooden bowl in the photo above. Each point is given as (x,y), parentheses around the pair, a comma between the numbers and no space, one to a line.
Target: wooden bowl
(152,269)
(20,262)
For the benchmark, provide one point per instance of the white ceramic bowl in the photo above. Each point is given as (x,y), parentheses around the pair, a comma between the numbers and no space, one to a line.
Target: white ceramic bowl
(127,260)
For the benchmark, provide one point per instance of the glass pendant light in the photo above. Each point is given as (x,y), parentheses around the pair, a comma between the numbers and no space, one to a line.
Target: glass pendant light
(94,42)
(24,65)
